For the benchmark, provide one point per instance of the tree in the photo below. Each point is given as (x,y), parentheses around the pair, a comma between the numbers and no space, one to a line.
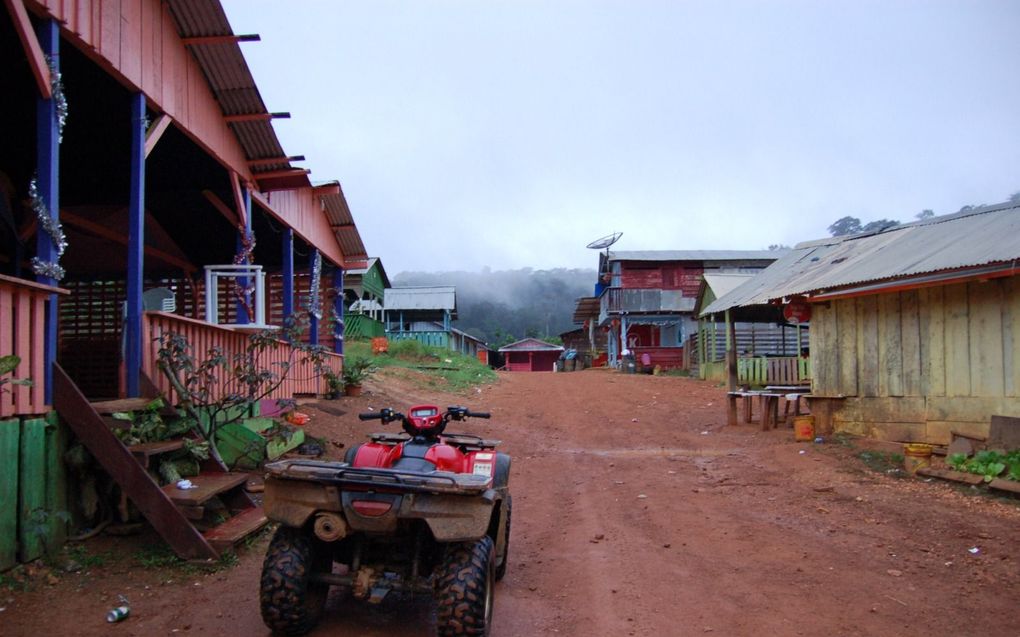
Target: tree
(879,225)
(778,246)
(927,213)
(1015,197)
(846,225)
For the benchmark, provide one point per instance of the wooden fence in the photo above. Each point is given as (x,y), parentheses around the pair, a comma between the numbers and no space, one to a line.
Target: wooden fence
(23,334)
(301,376)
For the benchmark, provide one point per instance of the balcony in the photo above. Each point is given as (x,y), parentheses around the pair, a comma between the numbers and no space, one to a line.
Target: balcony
(617,300)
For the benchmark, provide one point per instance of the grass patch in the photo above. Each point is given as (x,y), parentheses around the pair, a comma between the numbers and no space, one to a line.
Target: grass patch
(162,557)
(444,368)
(883,462)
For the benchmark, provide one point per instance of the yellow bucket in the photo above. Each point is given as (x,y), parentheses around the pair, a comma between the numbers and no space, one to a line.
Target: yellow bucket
(804,428)
(916,456)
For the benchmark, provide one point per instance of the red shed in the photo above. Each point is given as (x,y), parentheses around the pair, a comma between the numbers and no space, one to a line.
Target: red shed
(531,355)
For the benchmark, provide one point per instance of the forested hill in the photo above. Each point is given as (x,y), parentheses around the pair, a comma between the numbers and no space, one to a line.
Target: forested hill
(503,306)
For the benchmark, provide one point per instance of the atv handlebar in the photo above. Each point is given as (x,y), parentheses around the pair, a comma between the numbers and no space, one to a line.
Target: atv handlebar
(385,414)
(478,414)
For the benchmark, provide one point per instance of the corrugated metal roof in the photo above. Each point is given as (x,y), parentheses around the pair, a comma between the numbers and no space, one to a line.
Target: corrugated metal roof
(231,81)
(723,284)
(338,213)
(695,255)
(440,297)
(531,345)
(982,236)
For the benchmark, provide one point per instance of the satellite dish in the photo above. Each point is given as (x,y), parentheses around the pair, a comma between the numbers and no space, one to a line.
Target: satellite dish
(605,241)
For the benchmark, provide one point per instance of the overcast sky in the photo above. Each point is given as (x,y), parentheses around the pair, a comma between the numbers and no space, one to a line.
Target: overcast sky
(472,133)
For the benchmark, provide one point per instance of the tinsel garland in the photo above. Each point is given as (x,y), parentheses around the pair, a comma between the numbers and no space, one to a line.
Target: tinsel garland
(338,321)
(314,302)
(59,99)
(52,227)
(244,291)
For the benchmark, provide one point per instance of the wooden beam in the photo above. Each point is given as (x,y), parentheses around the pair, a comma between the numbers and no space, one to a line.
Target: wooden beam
(104,232)
(242,210)
(272,161)
(156,131)
(274,174)
(225,210)
(221,39)
(33,51)
(255,117)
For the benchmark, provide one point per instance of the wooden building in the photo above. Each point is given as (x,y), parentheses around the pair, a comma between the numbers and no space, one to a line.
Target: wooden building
(646,298)
(769,349)
(143,191)
(365,287)
(530,355)
(915,331)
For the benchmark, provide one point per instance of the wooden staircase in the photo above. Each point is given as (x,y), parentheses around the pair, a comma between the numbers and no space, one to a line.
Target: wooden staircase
(176,514)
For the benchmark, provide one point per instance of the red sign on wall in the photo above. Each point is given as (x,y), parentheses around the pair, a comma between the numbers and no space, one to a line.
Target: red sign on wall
(797,311)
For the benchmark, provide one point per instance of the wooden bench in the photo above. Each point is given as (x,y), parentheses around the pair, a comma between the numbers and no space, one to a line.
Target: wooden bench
(769,406)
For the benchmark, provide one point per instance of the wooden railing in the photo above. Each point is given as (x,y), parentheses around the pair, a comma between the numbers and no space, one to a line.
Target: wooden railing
(434,339)
(301,377)
(362,326)
(23,334)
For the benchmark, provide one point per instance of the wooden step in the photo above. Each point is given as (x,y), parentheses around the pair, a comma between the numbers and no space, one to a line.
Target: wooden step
(145,450)
(104,407)
(236,528)
(208,485)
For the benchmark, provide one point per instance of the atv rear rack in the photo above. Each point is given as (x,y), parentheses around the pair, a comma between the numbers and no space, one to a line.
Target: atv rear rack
(343,475)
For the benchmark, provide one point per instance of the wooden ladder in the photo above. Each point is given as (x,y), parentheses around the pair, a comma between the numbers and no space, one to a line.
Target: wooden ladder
(168,509)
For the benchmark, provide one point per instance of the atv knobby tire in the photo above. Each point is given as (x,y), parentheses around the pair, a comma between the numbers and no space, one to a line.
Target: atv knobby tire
(291,603)
(464,589)
(501,567)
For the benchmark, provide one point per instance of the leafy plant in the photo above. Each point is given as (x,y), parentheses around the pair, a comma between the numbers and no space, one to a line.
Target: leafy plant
(356,370)
(988,464)
(7,366)
(216,389)
(958,461)
(148,425)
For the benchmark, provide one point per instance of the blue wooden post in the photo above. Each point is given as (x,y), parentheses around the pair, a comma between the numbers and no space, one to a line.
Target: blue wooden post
(136,247)
(48,181)
(288,273)
(338,310)
(313,321)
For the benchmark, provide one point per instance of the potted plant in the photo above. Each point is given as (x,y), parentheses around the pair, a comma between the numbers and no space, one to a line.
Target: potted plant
(356,370)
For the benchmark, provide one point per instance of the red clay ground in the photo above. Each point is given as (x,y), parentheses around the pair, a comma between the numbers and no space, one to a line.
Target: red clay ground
(637,512)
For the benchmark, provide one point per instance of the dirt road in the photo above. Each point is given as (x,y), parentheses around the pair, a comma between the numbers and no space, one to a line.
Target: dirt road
(637,511)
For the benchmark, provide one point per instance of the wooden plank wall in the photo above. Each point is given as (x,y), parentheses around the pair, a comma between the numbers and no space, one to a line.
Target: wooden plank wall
(920,363)
(22,333)
(137,41)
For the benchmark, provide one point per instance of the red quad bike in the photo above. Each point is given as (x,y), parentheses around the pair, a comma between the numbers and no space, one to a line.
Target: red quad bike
(419,512)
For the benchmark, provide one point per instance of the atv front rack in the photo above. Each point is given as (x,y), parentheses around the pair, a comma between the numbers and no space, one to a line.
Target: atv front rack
(342,474)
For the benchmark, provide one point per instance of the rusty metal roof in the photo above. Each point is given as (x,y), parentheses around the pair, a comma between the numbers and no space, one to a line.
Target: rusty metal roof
(987,237)
(233,86)
(588,307)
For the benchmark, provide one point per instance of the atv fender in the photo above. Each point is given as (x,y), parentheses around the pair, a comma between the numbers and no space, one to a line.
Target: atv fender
(501,476)
(455,518)
(292,502)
